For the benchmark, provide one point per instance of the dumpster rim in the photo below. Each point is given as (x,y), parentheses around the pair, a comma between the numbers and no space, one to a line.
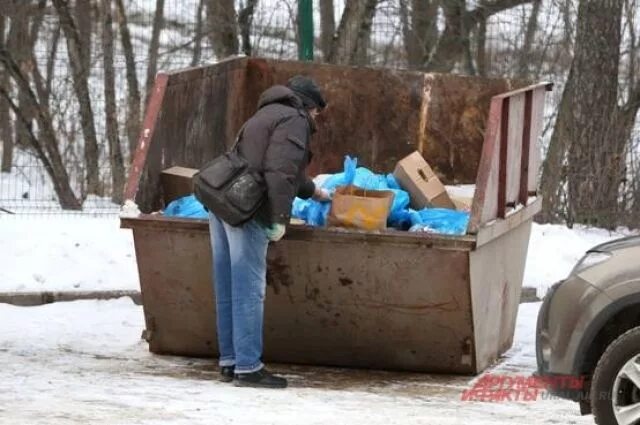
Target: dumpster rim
(298,232)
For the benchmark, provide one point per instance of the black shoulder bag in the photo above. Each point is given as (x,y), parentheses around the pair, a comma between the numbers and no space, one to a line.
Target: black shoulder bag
(229,188)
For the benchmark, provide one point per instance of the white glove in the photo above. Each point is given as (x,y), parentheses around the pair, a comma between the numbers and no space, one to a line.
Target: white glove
(321,195)
(275,232)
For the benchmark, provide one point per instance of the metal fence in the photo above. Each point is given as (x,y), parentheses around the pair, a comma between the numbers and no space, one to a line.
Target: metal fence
(500,45)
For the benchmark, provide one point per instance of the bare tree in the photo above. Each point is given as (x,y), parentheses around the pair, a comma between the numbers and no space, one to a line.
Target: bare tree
(83,19)
(454,40)
(18,41)
(46,144)
(420,29)
(327,26)
(197,44)
(481,46)
(51,61)
(5,122)
(222,27)
(354,32)
(525,53)
(115,152)
(590,126)
(133,88)
(81,88)
(245,21)
(154,47)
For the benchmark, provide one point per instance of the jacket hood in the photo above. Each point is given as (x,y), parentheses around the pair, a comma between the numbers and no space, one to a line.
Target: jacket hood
(279,94)
(285,96)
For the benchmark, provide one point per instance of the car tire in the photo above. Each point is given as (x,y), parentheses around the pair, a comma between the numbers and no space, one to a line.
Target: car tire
(605,378)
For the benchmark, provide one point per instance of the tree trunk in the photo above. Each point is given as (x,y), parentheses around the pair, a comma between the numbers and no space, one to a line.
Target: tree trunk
(327,26)
(81,88)
(133,99)
(481,47)
(46,146)
(458,24)
(197,46)
(420,32)
(451,43)
(18,43)
(352,40)
(6,135)
(51,61)
(83,19)
(245,21)
(553,168)
(595,157)
(223,31)
(525,53)
(154,47)
(115,153)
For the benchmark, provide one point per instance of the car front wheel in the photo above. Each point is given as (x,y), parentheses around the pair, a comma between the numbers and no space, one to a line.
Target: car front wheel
(615,387)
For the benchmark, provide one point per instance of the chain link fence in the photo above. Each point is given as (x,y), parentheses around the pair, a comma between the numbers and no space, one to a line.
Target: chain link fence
(522,39)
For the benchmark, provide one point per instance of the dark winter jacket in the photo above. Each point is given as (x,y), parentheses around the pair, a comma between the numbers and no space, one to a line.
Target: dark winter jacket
(275,141)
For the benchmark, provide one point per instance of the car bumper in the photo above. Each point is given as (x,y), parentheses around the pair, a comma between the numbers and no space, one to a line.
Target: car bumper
(565,386)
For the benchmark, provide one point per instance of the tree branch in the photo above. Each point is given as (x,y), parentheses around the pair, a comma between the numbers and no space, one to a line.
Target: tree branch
(490,8)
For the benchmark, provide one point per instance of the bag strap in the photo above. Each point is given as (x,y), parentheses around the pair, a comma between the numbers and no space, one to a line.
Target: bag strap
(234,147)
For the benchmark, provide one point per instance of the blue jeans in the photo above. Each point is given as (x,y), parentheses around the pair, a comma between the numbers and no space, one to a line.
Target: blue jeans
(239,276)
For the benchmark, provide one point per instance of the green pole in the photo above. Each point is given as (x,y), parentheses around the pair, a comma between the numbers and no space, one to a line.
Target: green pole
(305,30)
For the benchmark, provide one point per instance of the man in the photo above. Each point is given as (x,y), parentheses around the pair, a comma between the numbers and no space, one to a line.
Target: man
(275,142)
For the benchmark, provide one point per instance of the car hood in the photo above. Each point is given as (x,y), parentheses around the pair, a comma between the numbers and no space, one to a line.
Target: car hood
(623,243)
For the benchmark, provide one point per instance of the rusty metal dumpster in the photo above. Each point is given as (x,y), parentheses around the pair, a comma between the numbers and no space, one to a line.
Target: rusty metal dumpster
(389,300)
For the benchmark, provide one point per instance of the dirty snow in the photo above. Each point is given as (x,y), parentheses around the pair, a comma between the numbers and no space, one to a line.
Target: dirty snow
(61,253)
(83,362)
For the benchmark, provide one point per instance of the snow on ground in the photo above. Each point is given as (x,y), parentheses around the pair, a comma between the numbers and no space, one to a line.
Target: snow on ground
(554,251)
(58,253)
(83,362)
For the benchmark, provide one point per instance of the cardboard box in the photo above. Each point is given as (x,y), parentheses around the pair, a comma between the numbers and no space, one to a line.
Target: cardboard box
(462,203)
(359,208)
(176,183)
(425,188)
(462,196)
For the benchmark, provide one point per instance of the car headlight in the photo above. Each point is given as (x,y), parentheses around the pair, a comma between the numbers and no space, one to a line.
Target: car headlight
(591,259)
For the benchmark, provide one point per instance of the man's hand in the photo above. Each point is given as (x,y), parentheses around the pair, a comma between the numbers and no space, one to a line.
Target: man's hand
(321,195)
(275,232)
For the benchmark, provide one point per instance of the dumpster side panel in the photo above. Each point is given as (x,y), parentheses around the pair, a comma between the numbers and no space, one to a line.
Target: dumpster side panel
(497,270)
(200,113)
(456,117)
(369,305)
(377,122)
(177,292)
(352,300)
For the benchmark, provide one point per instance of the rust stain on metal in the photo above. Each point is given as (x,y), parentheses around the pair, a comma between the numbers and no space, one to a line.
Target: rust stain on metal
(345,281)
(424,113)
(146,135)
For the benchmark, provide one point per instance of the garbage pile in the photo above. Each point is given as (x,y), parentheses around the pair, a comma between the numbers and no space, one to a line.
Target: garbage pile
(401,216)
(413,197)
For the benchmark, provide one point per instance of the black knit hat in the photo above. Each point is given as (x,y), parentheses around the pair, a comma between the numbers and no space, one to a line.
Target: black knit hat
(308,91)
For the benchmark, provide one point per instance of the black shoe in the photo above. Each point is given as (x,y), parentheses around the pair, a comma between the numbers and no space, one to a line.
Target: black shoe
(226,373)
(259,379)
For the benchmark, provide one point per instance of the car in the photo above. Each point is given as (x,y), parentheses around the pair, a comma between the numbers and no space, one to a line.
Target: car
(588,333)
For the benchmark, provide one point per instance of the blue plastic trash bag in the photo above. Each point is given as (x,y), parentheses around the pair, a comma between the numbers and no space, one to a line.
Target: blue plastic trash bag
(439,220)
(344,178)
(392,182)
(315,213)
(187,206)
